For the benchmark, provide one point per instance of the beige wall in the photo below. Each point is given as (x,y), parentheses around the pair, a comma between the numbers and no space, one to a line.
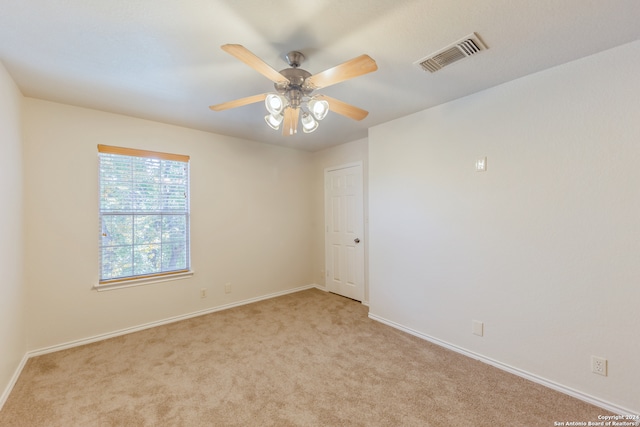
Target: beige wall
(543,247)
(12,325)
(356,151)
(251,226)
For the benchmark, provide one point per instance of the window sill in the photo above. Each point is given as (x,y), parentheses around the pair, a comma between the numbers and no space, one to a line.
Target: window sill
(142,281)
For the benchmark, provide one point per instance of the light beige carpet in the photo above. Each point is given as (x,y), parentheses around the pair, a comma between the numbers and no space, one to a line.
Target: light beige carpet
(307,359)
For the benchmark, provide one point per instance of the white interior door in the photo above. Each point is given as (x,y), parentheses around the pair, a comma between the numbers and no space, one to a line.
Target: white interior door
(344,225)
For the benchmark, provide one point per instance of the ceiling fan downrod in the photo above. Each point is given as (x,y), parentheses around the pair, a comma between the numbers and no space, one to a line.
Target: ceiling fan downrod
(294,58)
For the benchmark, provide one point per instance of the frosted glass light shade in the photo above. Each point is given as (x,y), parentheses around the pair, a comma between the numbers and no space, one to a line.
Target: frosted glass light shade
(319,108)
(274,120)
(308,123)
(274,103)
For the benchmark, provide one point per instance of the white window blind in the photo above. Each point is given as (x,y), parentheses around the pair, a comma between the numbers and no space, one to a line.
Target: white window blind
(144,214)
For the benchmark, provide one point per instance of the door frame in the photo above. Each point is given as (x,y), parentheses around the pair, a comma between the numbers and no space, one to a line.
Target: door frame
(365,244)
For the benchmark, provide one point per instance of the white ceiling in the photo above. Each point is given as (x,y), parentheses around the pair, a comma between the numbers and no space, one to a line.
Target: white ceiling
(161,59)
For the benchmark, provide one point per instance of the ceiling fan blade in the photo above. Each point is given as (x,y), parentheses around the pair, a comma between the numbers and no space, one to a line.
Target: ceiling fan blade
(239,102)
(355,67)
(343,108)
(290,122)
(246,56)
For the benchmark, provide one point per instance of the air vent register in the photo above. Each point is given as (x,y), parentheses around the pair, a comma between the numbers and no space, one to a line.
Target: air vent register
(469,45)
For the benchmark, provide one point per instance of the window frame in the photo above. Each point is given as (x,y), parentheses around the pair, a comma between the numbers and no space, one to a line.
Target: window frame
(155,277)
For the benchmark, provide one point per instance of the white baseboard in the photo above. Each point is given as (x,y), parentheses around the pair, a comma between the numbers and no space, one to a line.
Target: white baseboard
(513,370)
(149,325)
(100,337)
(13,381)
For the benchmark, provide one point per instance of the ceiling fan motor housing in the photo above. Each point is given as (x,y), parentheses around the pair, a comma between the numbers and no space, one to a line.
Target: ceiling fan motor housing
(296,77)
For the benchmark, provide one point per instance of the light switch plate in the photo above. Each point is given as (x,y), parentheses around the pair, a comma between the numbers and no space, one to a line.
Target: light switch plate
(481,164)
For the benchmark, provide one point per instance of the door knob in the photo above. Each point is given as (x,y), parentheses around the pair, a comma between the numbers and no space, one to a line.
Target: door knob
(356,240)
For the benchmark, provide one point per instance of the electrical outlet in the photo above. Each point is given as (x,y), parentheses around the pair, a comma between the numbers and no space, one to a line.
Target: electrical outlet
(227,288)
(203,293)
(599,365)
(477,327)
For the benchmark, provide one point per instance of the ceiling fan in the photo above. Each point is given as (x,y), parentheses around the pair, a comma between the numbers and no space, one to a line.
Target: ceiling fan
(294,86)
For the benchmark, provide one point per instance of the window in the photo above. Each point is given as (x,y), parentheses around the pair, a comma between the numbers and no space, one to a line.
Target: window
(144,214)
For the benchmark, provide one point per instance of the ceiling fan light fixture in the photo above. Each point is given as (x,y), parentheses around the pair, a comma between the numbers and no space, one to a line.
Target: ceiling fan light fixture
(275,103)
(292,103)
(319,108)
(308,123)
(274,120)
